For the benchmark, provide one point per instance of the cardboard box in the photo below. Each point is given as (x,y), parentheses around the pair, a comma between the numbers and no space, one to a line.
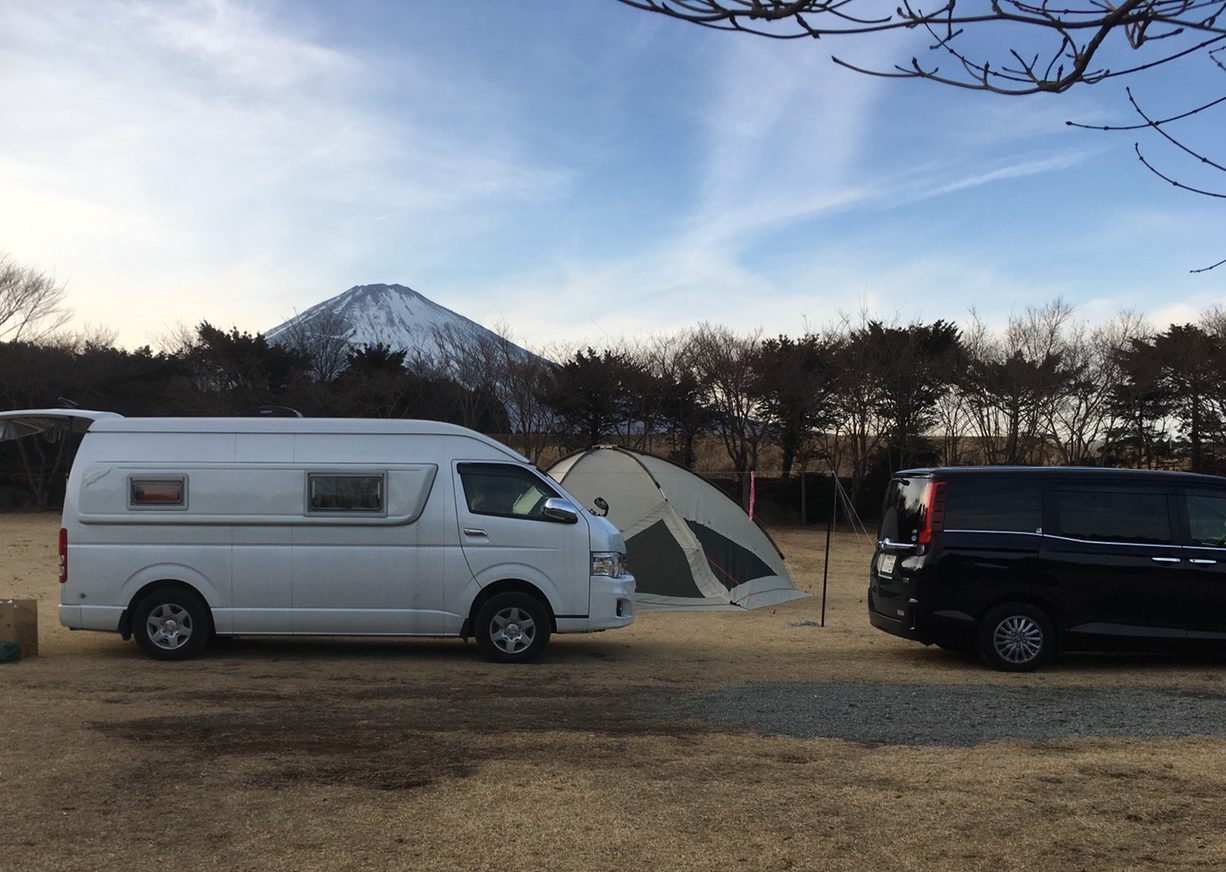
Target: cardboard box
(19,623)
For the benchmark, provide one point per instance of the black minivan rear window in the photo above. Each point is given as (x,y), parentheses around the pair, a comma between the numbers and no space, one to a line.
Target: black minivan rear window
(1009,504)
(903,512)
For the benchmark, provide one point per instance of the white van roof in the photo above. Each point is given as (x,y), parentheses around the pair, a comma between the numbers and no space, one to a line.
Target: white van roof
(28,422)
(20,423)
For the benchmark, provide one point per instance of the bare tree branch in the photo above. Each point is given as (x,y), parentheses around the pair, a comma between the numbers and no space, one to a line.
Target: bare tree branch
(31,303)
(1165,30)
(1035,46)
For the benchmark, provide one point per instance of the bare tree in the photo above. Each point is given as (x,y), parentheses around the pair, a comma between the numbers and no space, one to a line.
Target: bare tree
(951,423)
(521,387)
(1012,384)
(1081,419)
(31,303)
(322,340)
(680,415)
(1054,47)
(725,363)
(859,432)
(475,362)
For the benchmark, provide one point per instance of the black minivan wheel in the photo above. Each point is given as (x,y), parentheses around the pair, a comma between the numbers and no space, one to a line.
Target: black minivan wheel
(1016,637)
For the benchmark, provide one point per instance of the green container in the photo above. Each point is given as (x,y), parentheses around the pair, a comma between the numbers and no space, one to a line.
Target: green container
(10,652)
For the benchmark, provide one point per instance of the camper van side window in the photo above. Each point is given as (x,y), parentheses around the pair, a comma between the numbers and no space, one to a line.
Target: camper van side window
(504,489)
(330,493)
(157,493)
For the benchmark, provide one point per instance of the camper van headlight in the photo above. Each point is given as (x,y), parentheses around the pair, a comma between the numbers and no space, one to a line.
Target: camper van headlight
(607,563)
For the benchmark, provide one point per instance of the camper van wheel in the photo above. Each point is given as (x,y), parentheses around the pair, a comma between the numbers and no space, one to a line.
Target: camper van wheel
(1016,637)
(171,623)
(512,627)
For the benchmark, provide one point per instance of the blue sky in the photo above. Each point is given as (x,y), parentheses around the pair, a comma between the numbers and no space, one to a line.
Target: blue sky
(578,171)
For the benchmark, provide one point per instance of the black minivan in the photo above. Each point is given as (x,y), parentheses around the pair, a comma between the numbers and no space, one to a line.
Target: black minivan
(1018,563)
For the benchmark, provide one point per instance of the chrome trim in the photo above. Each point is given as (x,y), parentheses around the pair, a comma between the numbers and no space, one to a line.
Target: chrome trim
(560,510)
(1201,562)
(1166,560)
(1108,542)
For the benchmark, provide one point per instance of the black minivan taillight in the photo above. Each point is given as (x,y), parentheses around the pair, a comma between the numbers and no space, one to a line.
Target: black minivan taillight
(934,512)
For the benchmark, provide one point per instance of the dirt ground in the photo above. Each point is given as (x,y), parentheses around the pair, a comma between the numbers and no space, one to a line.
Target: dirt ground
(335,754)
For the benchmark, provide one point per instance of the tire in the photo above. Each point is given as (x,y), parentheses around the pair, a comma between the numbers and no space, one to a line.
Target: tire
(171,623)
(512,627)
(1016,637)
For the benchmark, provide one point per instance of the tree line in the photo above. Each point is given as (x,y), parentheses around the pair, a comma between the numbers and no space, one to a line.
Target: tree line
(863,397)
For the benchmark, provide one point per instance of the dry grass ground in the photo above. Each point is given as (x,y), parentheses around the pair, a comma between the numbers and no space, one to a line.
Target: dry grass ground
(331,754)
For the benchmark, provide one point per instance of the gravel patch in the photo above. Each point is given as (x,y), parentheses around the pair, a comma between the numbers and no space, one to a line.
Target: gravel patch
(956,714)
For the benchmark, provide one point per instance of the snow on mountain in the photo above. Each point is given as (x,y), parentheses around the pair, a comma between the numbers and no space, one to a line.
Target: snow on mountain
(394,315)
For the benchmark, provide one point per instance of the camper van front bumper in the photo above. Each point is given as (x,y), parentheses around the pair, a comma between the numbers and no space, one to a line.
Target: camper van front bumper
(611,604)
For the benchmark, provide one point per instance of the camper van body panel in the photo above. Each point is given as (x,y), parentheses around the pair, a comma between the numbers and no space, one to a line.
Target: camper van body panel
(312,526)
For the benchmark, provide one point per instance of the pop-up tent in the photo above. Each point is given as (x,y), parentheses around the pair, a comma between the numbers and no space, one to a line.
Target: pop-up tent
(687,543)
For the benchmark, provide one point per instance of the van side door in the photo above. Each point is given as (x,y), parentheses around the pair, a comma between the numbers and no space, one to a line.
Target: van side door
(1203,597)
(506,535)
(1112,550)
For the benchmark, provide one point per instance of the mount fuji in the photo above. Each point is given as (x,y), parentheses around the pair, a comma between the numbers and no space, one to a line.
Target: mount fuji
(394,315)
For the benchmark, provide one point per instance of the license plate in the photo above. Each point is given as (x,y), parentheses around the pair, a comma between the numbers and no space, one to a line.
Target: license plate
(885,564)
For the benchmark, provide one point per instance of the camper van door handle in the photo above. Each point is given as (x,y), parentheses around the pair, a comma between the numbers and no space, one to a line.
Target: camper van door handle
(1165,559)
(1201,562)
(473,531)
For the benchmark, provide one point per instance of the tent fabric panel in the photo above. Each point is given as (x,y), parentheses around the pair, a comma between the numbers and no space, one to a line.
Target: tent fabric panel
(700,566)
(558,471)
(659,565)
(700,501)
(650,602)
(761,592)
(731,563)
(620,479)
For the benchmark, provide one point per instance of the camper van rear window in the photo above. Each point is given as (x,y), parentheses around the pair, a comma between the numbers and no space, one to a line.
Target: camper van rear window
(158,493)
(330,493)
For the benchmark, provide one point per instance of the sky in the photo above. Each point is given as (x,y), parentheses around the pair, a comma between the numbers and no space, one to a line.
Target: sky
(576,172)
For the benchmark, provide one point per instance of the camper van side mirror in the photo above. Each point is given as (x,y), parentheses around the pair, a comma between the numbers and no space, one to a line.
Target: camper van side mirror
(560,510)
(602,505)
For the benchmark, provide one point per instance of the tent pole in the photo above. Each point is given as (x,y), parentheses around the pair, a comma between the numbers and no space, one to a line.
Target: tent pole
(834,509)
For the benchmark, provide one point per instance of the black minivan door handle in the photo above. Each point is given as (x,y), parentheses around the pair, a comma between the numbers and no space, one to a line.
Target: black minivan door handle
(1165,559)
(1200,561)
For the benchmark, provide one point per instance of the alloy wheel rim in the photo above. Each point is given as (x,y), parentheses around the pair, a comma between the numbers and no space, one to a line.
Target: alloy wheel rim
(512,630)
(169,626)
(1018,639)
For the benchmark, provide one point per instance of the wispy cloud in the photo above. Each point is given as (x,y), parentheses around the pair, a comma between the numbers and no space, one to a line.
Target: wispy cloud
(944,179)
(212,145)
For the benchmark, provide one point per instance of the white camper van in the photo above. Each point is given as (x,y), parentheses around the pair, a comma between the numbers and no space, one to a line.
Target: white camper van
(179,529)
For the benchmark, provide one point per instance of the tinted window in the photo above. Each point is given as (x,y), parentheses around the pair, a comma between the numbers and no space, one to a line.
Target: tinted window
(165,493)
(344,493)
(1206,517)
(1008,504)
(903,512)
(1109,516)
(503,489)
